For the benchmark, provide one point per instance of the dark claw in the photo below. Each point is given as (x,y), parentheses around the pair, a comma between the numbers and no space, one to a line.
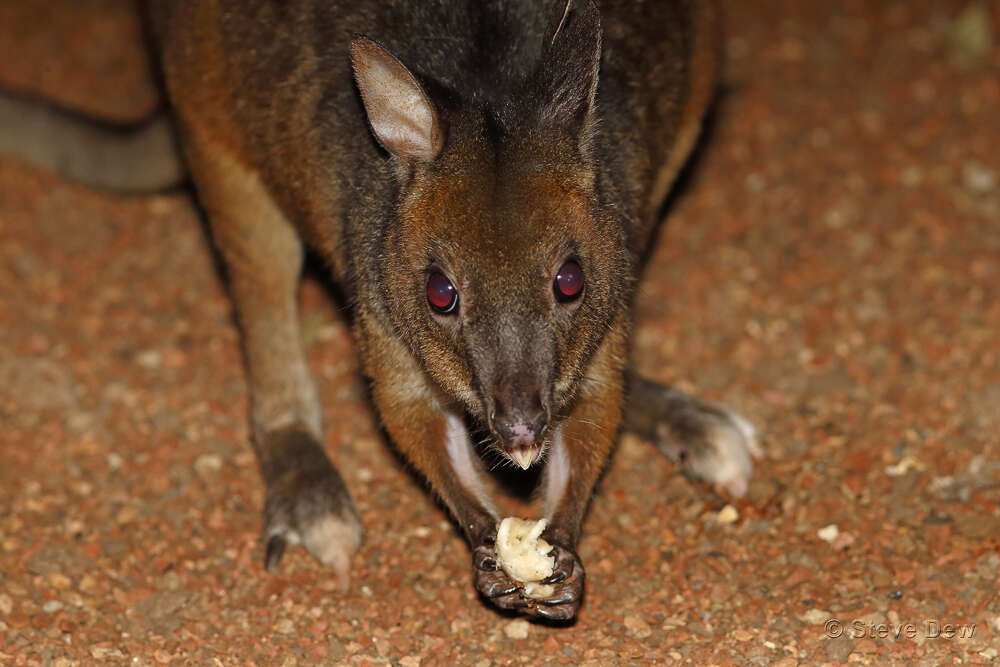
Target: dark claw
(560,613)
(499,588)
(275,550)
(556,577)
(565,562)
(485,560)
(512,601)
(570,594)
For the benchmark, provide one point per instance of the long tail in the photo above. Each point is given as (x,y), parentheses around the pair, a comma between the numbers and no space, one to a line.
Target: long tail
(124,158)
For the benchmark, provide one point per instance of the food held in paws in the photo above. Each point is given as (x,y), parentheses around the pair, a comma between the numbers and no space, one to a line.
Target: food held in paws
(524,555)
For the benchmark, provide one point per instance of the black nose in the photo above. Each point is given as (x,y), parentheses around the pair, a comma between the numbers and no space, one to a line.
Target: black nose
(520,425)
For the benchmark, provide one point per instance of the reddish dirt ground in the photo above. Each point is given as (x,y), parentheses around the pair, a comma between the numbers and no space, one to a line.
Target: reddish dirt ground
(831,269)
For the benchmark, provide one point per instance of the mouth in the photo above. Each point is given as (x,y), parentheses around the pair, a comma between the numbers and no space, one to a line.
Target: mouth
(524,455)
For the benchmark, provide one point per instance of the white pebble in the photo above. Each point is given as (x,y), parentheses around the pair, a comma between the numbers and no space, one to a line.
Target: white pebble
(517,629)
(828,533)
(207,464)
(906,464)
(727,515)
(978,178)
(149,359)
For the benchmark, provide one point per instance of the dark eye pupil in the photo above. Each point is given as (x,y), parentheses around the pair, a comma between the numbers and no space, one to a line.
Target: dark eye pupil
(569,281)
(441,294)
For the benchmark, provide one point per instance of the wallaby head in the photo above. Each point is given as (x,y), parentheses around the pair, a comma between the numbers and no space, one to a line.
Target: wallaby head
(502,270)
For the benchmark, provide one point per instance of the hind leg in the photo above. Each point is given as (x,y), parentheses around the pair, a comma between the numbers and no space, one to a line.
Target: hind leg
(307,501)
(706,440)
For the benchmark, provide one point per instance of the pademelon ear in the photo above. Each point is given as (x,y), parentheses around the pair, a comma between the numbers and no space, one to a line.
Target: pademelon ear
(566,81)
(399,110)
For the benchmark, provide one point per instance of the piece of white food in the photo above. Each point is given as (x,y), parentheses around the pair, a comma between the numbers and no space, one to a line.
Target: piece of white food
(524,556)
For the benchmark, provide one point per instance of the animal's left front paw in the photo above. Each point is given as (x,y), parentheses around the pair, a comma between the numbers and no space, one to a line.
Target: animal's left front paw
(568,581)
(705,439)
(712,443)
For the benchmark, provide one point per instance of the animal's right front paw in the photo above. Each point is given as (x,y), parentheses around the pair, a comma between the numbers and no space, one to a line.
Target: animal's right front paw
(308,504)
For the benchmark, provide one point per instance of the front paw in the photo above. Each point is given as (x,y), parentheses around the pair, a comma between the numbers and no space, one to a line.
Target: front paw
(712,443)
(307,503)
(566,582)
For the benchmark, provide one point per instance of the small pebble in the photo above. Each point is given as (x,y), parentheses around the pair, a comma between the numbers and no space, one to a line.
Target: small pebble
(828,533)
(517,629)
(906,464)
(207,465)
(972,33)
(149,359)
(978,178)
(838,648)
(637,626)
(59,580)
(52,606)
(911,176)
(115,461)
(727,515)
(815,616)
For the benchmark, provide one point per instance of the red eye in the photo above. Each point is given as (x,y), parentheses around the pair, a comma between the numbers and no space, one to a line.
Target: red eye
(441,294)
(569,282)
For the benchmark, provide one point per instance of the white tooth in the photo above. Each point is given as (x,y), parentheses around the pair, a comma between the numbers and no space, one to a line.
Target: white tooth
(523,456)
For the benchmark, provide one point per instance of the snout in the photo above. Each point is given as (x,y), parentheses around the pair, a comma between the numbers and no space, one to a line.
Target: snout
(519,430)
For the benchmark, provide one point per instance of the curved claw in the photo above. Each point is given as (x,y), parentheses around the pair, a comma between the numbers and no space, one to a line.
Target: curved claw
(496,585)
(485,559)
(565,564)
(513,601)
(274,551)
(564,597)
(568,577)
(559,613)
